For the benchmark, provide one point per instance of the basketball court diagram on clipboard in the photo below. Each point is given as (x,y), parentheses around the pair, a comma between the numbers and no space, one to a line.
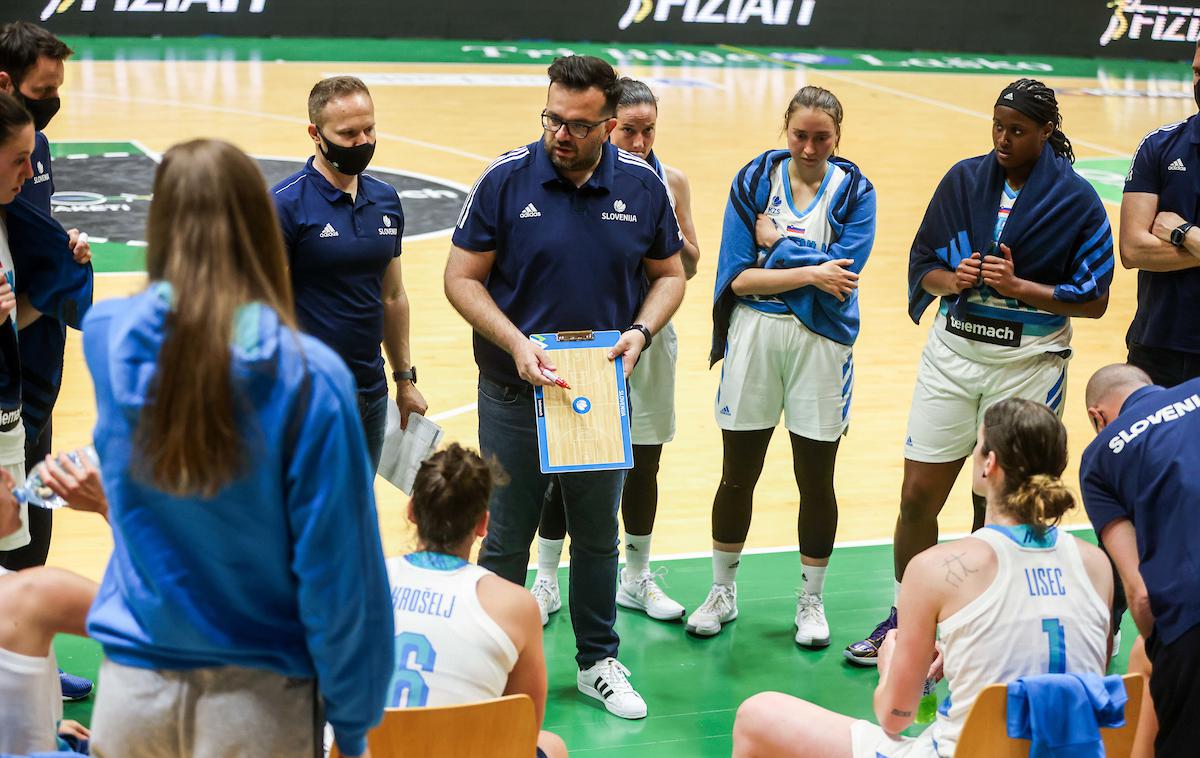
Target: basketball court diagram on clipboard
(585,428)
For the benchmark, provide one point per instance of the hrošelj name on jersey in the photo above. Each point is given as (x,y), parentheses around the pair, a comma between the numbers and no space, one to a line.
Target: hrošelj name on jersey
(983,329)
(1167,413)
(424,601)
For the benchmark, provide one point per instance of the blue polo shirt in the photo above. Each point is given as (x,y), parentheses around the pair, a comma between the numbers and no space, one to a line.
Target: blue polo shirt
(39,187)
(338,250)
(1143,467)
(567,257)
(1167,164)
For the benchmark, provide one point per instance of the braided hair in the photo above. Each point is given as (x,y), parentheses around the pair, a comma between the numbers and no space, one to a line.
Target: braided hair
(1036,100)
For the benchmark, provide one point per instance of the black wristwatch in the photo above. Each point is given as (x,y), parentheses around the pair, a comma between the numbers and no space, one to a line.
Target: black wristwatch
(406,376)
(645,333)
(1179,234)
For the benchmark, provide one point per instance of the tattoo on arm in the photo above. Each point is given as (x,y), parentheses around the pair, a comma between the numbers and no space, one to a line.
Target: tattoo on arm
(901,714)
(957,570)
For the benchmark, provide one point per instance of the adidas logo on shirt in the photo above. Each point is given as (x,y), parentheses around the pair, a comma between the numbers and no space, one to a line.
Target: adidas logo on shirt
(1177,165)
(530,212)
(725,411)
(329,231)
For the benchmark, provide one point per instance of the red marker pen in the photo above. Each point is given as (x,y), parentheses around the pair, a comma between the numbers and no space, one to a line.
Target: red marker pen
(555,378)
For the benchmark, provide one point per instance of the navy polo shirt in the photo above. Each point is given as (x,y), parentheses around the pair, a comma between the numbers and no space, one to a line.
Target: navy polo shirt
(1143,467)
(1167,164)
(338,250)
(39,187)
(567,257)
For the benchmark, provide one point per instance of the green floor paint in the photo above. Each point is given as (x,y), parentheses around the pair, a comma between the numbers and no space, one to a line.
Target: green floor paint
(693,686)
(541,52)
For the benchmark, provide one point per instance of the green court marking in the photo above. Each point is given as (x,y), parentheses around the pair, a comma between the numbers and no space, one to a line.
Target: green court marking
(693,686)
(1107,175)
(708,56)
(107,257)
(62,149)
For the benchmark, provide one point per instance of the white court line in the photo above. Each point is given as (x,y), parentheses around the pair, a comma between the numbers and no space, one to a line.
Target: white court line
(460,410)
(907,95)
(276,117)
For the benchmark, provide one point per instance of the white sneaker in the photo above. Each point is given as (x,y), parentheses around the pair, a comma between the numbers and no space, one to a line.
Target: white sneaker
(812,630)
(642,593)
(719,608)
(606,681)
(549,599)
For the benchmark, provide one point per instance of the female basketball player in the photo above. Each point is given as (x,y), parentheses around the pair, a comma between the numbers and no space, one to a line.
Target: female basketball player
(247,582)
(798,228)
(1014,243)
(652,391)
(16,145)
(463,634)
(994,623)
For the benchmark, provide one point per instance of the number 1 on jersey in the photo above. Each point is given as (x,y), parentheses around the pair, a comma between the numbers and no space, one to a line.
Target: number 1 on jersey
(1058,645)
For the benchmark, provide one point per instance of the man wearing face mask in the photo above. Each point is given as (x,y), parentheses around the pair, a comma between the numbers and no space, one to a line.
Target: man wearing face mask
(1159,211)
(342,229)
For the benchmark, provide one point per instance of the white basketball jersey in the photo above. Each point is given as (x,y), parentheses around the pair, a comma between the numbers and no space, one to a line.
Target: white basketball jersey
(661,170)
(1041,615)
(809,224)
(448,650)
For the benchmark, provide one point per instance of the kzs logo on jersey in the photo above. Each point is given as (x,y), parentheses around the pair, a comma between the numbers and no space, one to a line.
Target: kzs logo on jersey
(155,6)
(767,12)
(776,206)
(620,215)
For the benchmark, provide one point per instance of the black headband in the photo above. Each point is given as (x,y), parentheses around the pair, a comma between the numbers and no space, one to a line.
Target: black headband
(1022,100)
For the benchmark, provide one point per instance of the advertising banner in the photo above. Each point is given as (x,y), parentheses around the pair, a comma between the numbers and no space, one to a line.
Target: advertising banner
(1084,28)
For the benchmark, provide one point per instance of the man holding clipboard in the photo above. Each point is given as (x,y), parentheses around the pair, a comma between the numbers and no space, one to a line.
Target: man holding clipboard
(563,234)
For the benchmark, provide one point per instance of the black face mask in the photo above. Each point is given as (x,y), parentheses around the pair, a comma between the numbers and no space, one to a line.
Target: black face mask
(43,110)
(350,161)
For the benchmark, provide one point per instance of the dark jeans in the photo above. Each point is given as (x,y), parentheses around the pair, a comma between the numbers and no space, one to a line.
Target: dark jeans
(41,520)
(507,431)
(1165,366)
(1175,689)
(374,420)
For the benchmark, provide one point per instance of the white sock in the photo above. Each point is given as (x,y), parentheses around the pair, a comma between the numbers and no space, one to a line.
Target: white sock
(896,599)
(549,554)
(814,578)
(725,566)
(637,553)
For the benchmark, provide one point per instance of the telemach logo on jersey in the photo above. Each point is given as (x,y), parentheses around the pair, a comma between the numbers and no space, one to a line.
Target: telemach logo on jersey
(55,7)
(739,12)
(980,329)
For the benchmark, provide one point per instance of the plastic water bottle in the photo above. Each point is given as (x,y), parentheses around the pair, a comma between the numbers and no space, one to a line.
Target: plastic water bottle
(35,492)
(927,710)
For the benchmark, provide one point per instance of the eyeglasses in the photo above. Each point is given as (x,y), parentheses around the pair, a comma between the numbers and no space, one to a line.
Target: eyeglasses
(577,129)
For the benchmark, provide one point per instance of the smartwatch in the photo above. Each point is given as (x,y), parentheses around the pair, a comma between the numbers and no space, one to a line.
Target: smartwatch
(406,376)
(1179,234)
(645,333)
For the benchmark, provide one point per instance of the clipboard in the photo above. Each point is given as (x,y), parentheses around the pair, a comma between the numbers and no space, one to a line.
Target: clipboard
(585,428)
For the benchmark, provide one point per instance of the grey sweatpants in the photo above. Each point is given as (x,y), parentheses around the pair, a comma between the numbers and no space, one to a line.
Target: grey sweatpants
(225,712)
